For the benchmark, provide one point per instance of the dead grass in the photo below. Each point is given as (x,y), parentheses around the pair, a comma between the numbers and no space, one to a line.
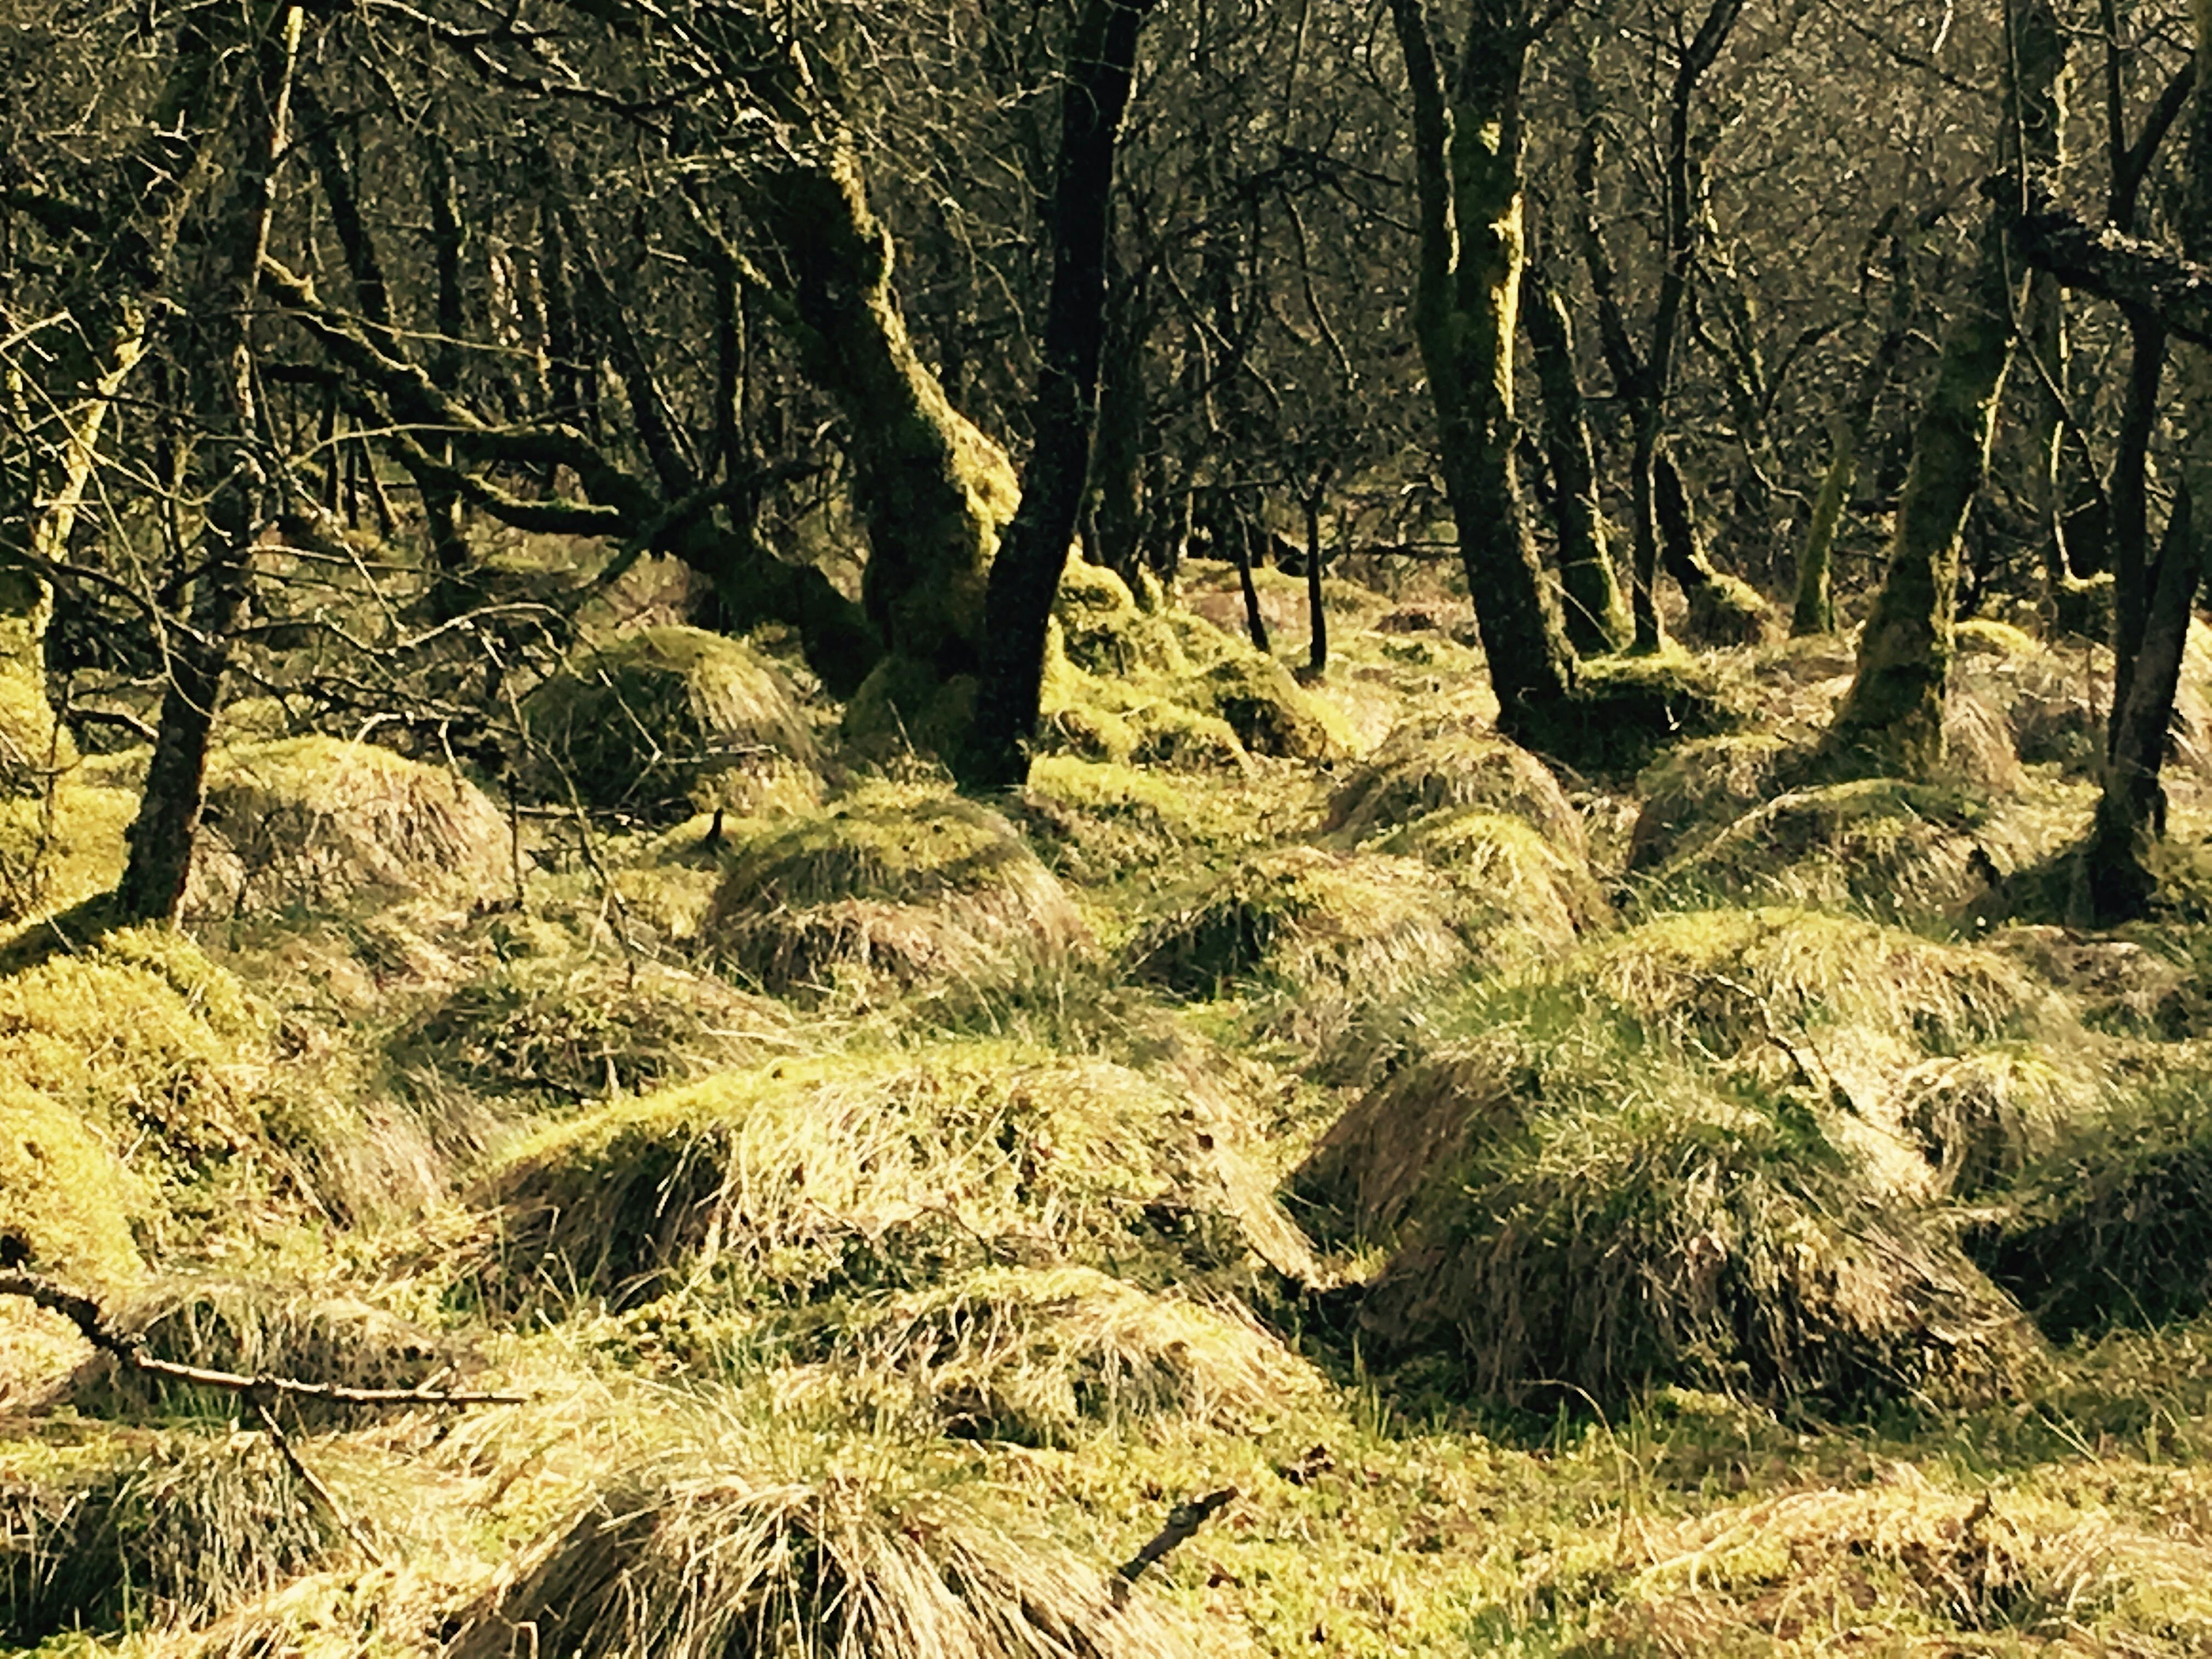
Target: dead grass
(847,1565)
(1439,763)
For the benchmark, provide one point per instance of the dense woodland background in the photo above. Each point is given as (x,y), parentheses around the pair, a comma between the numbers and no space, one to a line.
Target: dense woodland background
(812,813)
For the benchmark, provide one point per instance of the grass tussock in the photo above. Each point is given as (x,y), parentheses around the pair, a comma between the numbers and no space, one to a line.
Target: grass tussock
(1042,1356)
(576,1029)
(148,1531)
(893,885)
(840,1566)
(812,1176)
(668,720)
(1094,822)
(1611,1221)
(2112,1226)
(1440,763)
(61,845)
(67,1202)
(313,822)
(2005,1572)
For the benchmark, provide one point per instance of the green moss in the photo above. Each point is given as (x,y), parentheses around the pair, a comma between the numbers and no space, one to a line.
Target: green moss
(905,706)
(66,1203)
(58,850)
(1093,822)
(1105,630)
(34,747)
(1525,893)
(811,1175)
(1626,708)
(1703,786)
(1727,610)
(668,720)
(894,885)
(1270,713)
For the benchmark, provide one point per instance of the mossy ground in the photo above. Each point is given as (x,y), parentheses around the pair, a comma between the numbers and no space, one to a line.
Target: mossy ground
(886,1208)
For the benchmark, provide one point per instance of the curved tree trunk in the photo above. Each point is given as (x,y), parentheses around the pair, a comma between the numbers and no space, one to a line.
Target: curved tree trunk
(1891,721)
(1468,164)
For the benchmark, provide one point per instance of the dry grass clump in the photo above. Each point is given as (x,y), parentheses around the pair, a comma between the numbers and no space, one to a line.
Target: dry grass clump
(1267,709)
(1607,1218)
(668,720)
(1035,1356)
(886,1171)
(1439,762)
(311,823)
(261,1328)
(577,1029)
(895,884)
(739,1566)
(1697,787)
(150,1531)
(2113,1225)
(1625,708)
(1982,1119)
(1522,890)
(1905,1562)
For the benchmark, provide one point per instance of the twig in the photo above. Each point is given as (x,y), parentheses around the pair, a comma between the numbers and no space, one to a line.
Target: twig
(313,1482)
(130,1347)
(1183,1521)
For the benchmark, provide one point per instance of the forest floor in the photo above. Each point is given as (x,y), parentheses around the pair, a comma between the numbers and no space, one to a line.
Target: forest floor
(1687,1211)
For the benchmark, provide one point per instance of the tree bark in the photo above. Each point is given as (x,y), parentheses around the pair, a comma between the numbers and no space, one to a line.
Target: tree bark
(1596,614)
(1891,721)
(1025,575)
(160,837)
(1468,167)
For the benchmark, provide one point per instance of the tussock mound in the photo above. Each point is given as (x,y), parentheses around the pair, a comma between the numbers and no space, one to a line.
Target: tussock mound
(1885,848)
(1270,713)
(668,720)
(1699,787)
(1602,1216)
(1034,1355)
(1440,763)
(581,1030)
(61,848)
(34,746)
(2006,1566)
(1103,631)
(1093,822)
(312,822)
(1521,890)
(2113,1226)
(889,1172)
(1982,1119)
(164,1531)
(836,1567)
(893,885)
(261,1328)
(1625,708)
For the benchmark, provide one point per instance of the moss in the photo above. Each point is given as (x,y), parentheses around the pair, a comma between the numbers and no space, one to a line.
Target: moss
(905,707)
(1093,822)
(59,849)
(1526,893)
(1625,710)
(1170,735)
(813,1176)
(66,1203)
(34,747)
(1436,763)
(668,720)
(893,885)
(1701,786)
(1727,610)
(1105,630)
(1270,713)
(313,822)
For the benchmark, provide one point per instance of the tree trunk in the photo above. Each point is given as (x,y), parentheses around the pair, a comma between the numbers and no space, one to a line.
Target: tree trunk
(1468,167)
(2129,491)
(161,837)
(1025,575)
(1891,721)
(1317,609)
(1815,610)
(1117,460)
(1597,616)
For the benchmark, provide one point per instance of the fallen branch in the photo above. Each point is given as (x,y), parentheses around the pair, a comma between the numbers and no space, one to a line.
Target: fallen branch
(1183,1520)
(130,1347)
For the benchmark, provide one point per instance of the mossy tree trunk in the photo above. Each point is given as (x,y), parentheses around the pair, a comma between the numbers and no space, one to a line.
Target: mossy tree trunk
(1117,461)
(2116,882)
(1467,147)
(1597,614)
(1815,612)
(1891,721)
(161,837)
(1025,575)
